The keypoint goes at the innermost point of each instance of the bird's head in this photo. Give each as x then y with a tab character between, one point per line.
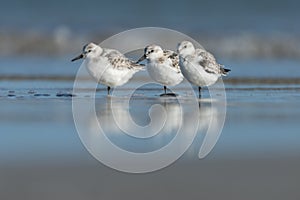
90	50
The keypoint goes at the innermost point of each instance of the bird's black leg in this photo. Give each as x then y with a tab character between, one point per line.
108	89
199	89
165	88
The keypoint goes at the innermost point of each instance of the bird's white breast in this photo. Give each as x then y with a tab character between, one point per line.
164	74
195	73
103	72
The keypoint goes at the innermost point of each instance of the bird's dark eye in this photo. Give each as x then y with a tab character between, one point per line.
152	51
89	50
185	46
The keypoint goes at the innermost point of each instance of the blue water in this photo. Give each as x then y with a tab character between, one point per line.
61	66
37	128
41	129
192	15
41	155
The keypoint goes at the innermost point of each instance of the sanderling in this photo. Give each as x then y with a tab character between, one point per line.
162	66
108	66
198	66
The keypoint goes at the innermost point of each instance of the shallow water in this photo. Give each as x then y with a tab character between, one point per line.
258	148
259	112
256	156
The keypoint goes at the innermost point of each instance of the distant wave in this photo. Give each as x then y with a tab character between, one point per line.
240	45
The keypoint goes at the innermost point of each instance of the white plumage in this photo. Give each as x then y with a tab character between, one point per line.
108	66
198	66
162	65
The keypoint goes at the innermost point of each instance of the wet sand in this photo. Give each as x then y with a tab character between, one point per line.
212	178
256	157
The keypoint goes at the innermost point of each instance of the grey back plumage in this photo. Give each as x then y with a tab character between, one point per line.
119	61
209	63
174	57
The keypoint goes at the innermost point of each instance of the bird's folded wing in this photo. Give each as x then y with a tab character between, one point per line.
119	61
209	63
174	59
110	53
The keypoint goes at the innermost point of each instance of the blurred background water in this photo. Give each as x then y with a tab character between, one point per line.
231	28
257	156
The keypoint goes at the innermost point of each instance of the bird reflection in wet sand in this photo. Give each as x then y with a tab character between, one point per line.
115	115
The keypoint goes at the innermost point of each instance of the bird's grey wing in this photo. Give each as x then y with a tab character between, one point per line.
209	63
174	59
119	61
205	54
209	56
111	52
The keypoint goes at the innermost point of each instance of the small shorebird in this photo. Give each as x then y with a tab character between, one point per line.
198	66
108	66
162	66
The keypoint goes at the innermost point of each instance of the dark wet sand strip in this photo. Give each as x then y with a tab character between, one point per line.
227	80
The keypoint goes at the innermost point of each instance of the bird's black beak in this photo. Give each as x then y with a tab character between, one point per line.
141	58
78	57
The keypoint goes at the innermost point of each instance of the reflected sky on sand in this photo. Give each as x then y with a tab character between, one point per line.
258	148
165	123
137	130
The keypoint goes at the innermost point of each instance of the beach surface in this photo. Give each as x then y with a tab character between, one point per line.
256	156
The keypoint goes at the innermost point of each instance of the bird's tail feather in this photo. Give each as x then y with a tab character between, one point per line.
224	71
